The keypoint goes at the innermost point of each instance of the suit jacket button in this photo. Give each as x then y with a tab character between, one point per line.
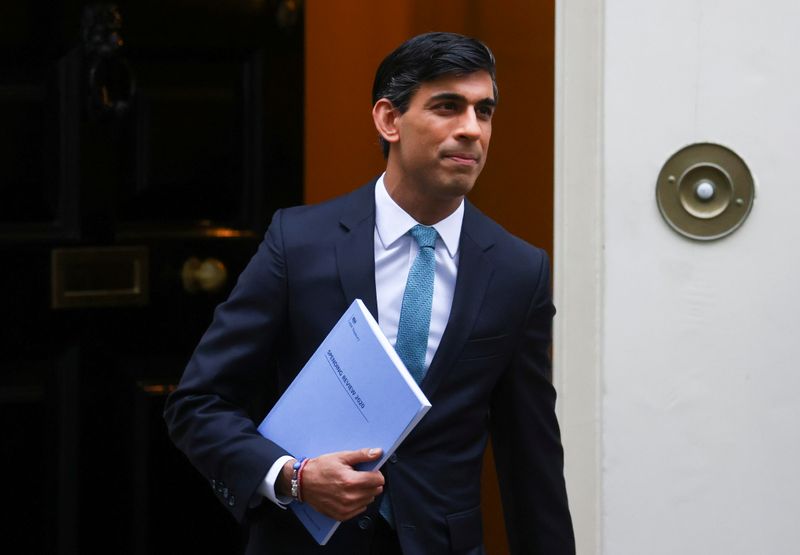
393	458
365	523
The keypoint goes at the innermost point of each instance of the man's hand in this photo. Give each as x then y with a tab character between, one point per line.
333	487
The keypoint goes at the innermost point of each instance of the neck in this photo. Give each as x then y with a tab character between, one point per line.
427	209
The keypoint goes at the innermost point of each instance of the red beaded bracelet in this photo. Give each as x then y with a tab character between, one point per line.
300	480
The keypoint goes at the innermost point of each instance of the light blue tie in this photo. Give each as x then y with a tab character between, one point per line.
415	314
415	319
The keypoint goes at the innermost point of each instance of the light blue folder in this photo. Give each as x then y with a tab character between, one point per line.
353	392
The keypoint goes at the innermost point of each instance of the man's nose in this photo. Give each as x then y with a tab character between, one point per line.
469	127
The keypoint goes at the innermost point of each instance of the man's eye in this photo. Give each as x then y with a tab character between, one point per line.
447	106
485	111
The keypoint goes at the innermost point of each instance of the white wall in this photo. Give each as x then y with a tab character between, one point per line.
698	421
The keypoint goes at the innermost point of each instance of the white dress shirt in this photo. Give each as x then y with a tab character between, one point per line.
395	251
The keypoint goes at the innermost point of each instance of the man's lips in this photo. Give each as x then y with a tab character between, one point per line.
465	158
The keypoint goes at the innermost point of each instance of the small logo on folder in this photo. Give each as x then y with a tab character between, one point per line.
352	322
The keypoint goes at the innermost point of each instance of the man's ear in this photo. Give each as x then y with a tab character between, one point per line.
385	117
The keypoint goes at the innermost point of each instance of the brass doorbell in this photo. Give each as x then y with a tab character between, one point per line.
705	191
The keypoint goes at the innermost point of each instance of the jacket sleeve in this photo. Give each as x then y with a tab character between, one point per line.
209	415
526	437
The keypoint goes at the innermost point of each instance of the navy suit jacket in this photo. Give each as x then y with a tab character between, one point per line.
490	376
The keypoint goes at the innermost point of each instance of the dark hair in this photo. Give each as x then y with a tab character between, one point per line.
424	58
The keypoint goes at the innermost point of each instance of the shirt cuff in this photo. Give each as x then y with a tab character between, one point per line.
267	487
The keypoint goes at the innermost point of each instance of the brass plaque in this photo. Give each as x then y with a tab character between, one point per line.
99	277
705	191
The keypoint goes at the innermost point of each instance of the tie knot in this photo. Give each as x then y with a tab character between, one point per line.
424	235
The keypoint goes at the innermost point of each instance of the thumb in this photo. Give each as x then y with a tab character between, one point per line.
361	455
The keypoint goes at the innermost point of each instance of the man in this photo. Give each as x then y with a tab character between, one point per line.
484	363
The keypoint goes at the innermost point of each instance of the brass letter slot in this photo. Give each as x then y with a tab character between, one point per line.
99	277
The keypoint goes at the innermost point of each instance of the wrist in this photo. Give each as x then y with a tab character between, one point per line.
283	484
297	468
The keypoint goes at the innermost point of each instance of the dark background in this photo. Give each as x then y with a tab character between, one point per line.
130	142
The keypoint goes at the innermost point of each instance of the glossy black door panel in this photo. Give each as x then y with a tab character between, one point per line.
132	140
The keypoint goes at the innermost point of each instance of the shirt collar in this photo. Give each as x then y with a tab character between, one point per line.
392	222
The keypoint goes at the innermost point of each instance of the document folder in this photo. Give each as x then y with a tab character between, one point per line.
353	392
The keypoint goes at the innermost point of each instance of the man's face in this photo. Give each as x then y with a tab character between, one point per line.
443	137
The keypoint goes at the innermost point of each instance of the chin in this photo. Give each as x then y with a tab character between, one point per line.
458	187
464	181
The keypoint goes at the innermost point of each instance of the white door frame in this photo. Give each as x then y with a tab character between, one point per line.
578	258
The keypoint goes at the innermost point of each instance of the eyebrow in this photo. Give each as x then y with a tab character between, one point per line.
461	98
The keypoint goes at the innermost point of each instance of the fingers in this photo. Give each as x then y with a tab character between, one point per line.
355	502
361	455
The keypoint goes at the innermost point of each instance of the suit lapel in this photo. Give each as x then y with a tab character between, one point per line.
355	251
474	272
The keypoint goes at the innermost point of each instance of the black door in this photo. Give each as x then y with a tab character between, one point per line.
143	148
